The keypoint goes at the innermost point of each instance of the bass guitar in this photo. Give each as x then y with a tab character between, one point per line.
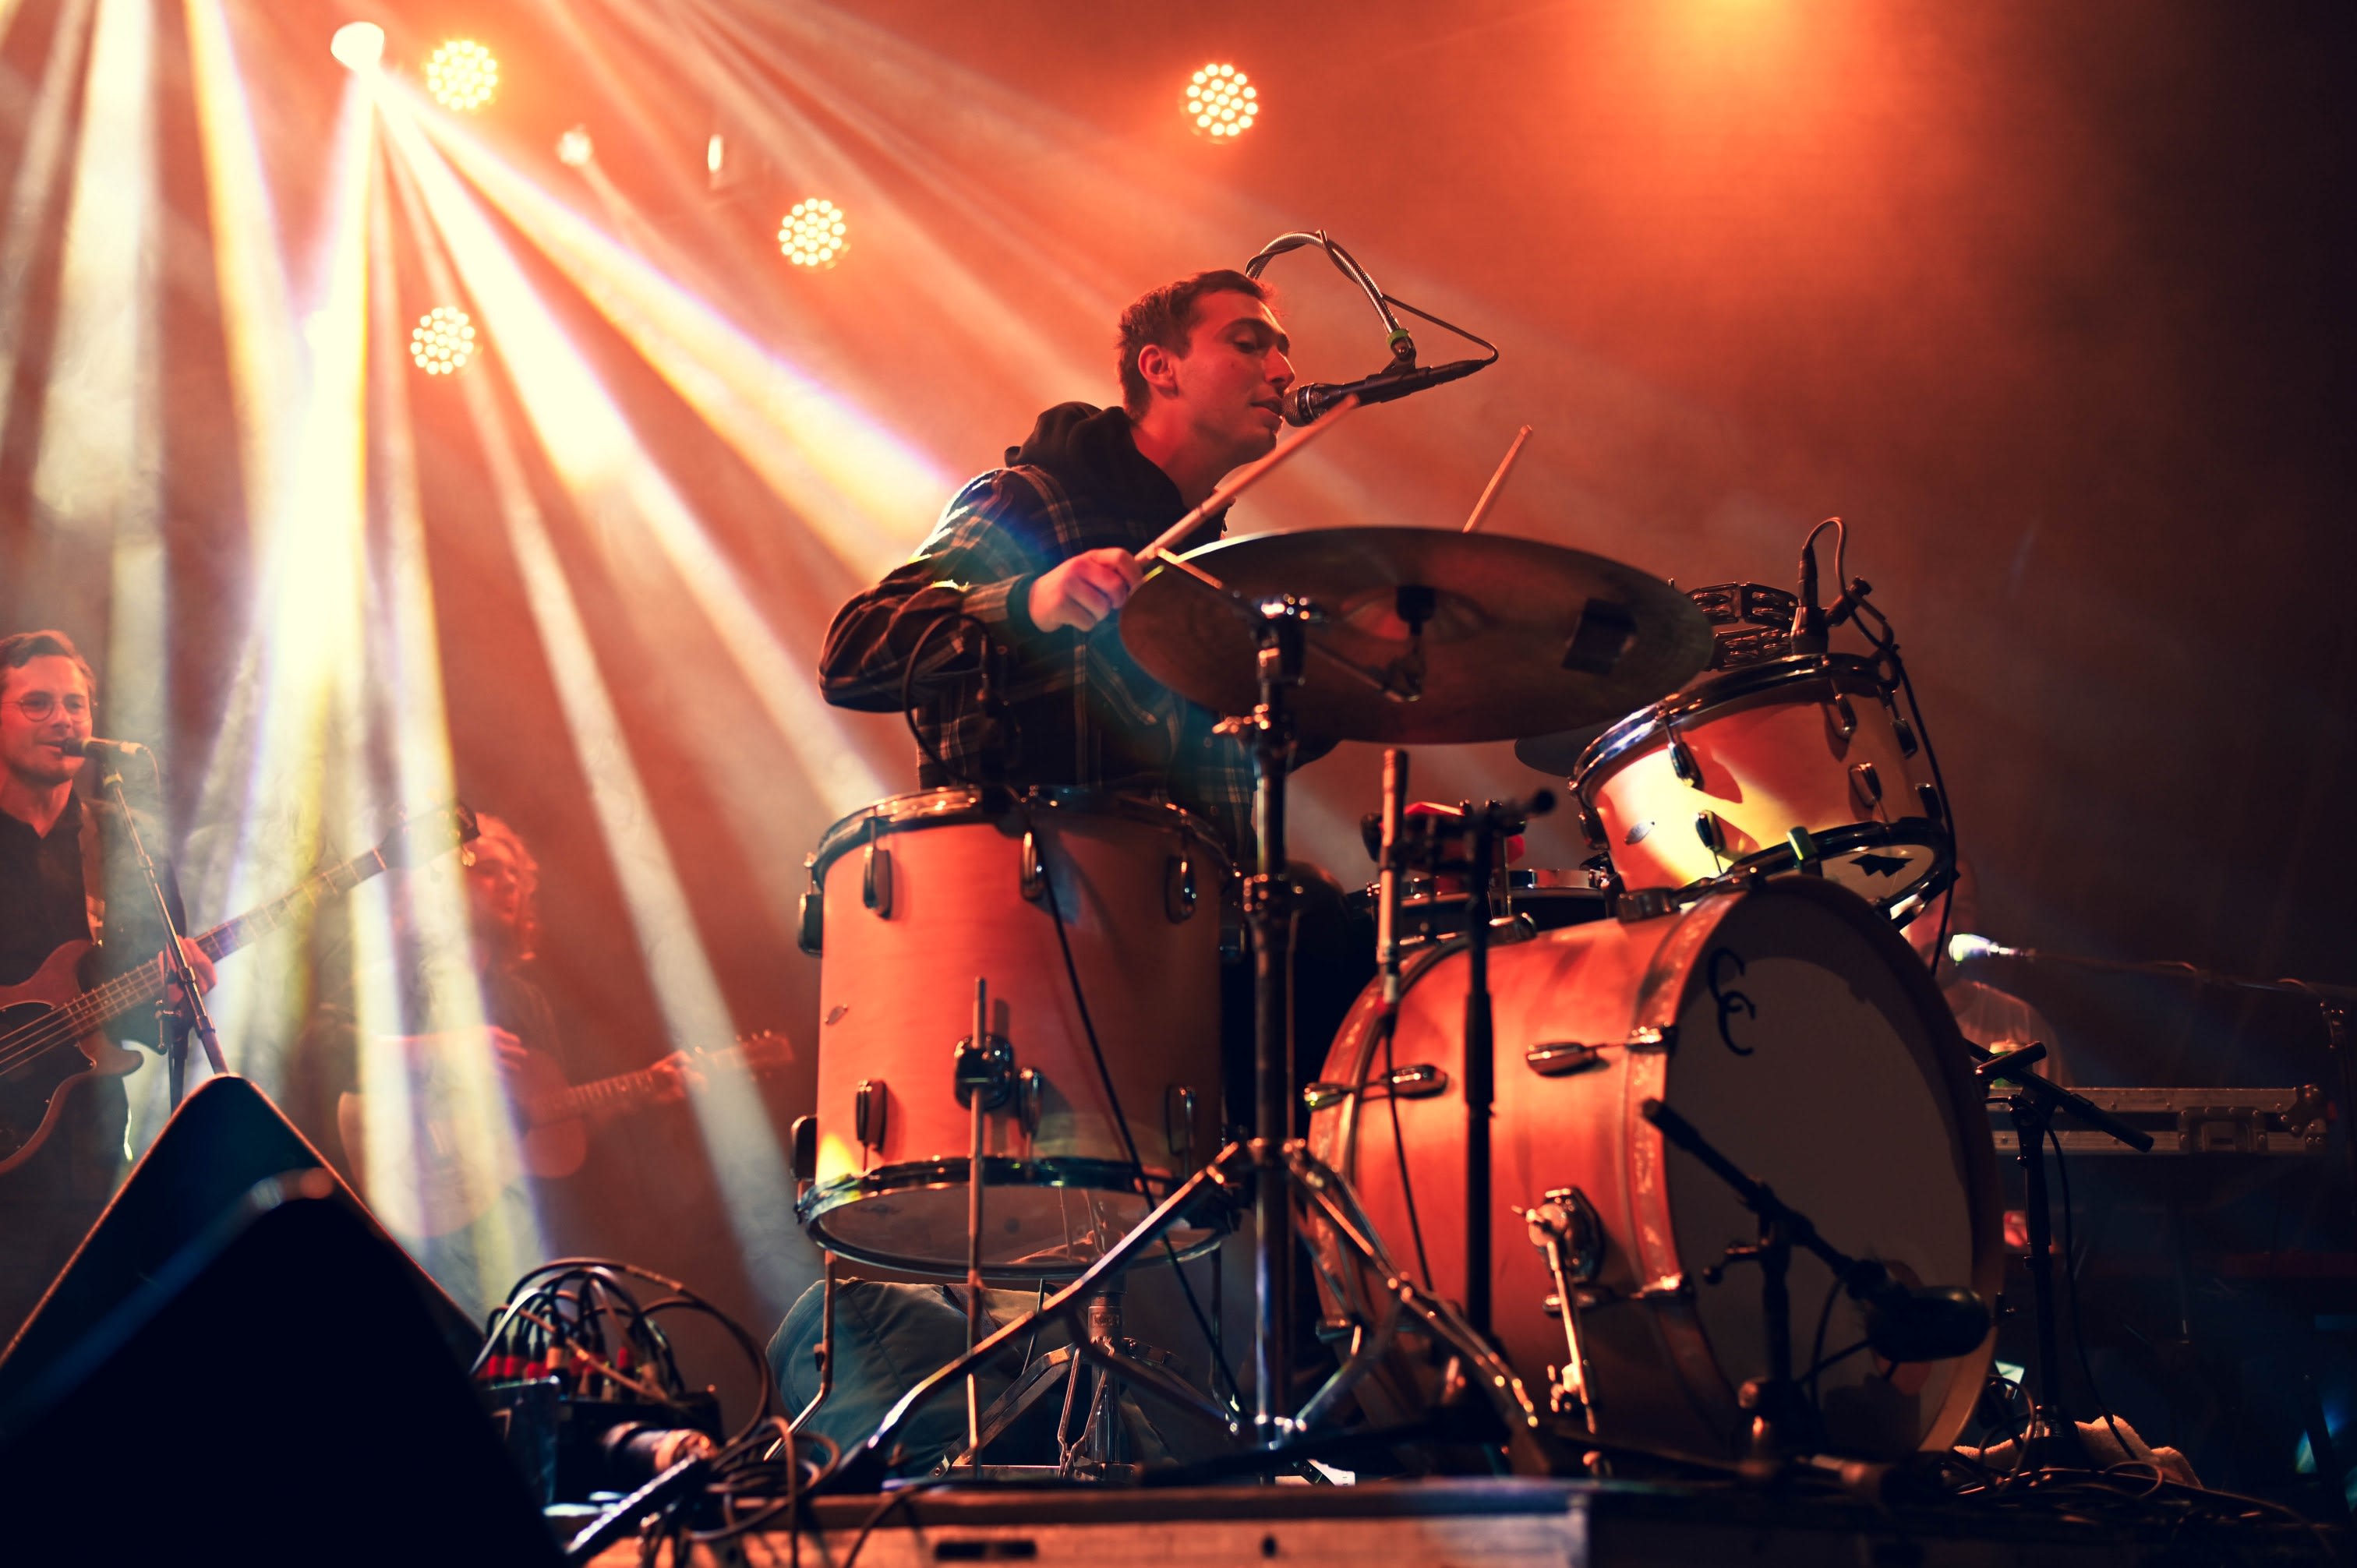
50	1040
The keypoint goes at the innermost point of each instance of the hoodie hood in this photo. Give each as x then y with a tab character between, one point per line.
1091	451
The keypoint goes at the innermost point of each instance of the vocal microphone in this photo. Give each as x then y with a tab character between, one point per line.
1311	401
99	746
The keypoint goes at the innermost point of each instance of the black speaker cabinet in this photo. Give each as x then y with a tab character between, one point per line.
250	1368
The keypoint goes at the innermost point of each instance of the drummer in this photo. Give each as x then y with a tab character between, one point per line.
1034	559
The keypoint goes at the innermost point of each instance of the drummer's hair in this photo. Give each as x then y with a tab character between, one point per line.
1164	316
22	649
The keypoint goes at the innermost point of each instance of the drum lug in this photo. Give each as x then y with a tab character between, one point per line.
1864	786
1908	744
1030	1096
1933	807
989	1068
804	1143
1178	1122
1633	904
1843	716
1682	763
1563	1059
1179	888
876	881
1031	877
1713	836
1419	1081
868	1102
810	934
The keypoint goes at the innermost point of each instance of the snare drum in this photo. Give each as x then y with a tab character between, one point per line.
1800	764
1538	900
1791	1023
918	898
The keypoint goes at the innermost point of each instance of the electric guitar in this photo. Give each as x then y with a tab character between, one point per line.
445	1169
49	1039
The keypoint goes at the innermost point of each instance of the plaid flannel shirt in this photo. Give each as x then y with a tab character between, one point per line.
1062	708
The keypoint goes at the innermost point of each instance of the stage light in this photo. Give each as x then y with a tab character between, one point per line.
574	149
443	342
1222	100
359	45
811	235
462	75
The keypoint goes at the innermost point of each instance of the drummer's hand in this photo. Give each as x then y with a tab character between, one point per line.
1083	591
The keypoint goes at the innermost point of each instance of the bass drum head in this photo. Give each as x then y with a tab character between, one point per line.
1814	1052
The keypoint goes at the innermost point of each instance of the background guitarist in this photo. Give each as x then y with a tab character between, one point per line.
66	875
465	1221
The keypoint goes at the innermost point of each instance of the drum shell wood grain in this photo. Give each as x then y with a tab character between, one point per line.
1769	759
1664	1371
896	989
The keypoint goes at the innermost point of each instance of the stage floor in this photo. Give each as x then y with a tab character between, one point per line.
1509	1523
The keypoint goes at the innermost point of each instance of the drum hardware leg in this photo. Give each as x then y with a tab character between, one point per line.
1566	1229
824	1354
983	1071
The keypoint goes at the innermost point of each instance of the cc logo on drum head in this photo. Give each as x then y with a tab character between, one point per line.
1730	1001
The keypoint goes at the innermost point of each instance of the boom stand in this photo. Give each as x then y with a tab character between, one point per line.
2051	1441
173	1022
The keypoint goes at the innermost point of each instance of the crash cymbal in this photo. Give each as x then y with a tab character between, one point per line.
1518	638
1559	753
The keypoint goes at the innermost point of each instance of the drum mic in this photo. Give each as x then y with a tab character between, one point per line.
1911	1323
1808	618
1310	401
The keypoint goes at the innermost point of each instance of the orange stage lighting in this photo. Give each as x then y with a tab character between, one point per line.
444	340
462	75
1222	100
811	235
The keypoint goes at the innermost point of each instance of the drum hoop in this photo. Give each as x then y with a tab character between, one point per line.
964	803
1849	672
998	1172
1778	861
1660	995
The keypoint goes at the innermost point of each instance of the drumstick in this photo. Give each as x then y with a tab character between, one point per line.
1497	480
1240	481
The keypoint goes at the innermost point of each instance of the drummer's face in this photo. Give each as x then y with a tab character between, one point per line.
1234	370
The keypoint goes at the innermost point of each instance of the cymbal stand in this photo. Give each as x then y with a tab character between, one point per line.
2051	1441
174	1022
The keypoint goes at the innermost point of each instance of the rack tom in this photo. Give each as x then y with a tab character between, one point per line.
1801	764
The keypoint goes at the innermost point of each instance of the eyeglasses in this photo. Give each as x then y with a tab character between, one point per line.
41	706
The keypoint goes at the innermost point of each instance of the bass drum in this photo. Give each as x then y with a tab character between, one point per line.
1793	1026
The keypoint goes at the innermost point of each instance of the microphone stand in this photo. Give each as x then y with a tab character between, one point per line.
2333	1005
2051	1441
1784	1423
172	1024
